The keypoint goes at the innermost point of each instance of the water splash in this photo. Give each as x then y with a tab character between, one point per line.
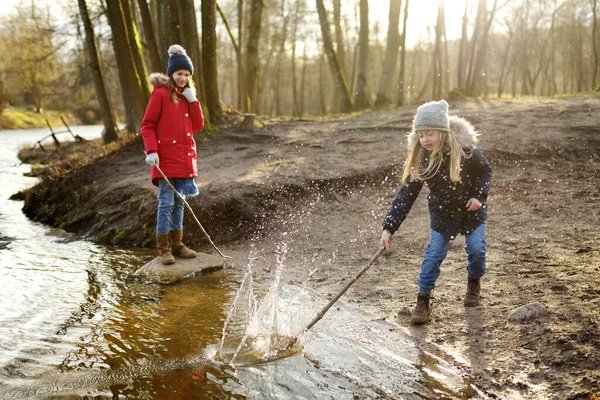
256	332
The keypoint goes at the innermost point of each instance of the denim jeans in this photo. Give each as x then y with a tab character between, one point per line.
436	253
170	209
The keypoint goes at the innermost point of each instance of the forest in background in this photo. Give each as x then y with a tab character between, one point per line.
290	57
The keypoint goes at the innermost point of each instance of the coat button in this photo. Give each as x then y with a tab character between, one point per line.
191	175
174	141
187	115
189	154
189	134
159	141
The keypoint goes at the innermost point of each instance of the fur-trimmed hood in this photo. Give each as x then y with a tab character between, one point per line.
158	79
460	128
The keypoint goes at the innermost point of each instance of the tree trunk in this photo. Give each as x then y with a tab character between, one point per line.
391	54
340	47
462	52
436	92
474	88
280	57
295	105
252	61
481	10
209	60
241	72
446	70
189	40
402	73
334	63
135	47
169	30
303	83
150	36
362	97
594	45
339	34
501	81
134	98
109	134
322	101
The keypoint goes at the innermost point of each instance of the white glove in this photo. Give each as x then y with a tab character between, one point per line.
386	239
152	159
189	96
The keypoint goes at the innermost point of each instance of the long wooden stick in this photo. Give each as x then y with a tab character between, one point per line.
328	306
192	211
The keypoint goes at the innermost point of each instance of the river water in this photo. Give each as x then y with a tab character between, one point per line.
74	323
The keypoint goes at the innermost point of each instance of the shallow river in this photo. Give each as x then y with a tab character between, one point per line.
74	323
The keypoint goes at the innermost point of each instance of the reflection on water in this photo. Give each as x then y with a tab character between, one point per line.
74	323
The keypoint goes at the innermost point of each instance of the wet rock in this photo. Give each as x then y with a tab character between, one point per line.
183	268
527	312
62	234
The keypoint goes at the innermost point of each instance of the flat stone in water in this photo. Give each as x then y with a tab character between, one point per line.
183	268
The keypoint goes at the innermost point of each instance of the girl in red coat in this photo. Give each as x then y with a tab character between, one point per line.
172	117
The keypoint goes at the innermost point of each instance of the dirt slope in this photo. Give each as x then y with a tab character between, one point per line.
320	190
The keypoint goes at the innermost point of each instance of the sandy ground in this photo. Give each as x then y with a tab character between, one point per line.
320	190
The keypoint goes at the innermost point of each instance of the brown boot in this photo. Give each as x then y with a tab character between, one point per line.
473	289
179	249
420	314
164	250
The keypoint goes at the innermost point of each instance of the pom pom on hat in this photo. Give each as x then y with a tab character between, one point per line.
176	49
178	59
432	115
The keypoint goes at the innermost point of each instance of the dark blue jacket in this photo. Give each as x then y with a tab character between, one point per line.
447	199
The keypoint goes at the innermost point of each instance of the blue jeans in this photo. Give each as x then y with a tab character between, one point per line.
170	209
436	253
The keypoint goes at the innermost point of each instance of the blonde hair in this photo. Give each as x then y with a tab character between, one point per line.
172	86
414	167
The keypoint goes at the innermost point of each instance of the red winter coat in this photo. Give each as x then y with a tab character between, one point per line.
168	129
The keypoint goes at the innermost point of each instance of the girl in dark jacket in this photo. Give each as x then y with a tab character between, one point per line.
172	117
442	154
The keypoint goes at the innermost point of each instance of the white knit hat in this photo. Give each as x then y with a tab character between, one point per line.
432	115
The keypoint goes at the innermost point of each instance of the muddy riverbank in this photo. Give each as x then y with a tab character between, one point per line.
323	187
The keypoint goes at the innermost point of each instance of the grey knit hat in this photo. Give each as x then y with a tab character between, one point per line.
432	115
178	59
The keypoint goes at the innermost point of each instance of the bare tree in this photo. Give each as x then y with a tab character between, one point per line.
295	105
168	27
135	47
188	26
402	72
363	97
280	57
109	134
150	36
134	97
462	52
473	86
252	60
209	60
391	54
334	63
594	45
437	56
472	50
503	69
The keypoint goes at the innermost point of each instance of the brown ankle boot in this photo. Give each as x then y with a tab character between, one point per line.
178	248
164	250
473	289
420	314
